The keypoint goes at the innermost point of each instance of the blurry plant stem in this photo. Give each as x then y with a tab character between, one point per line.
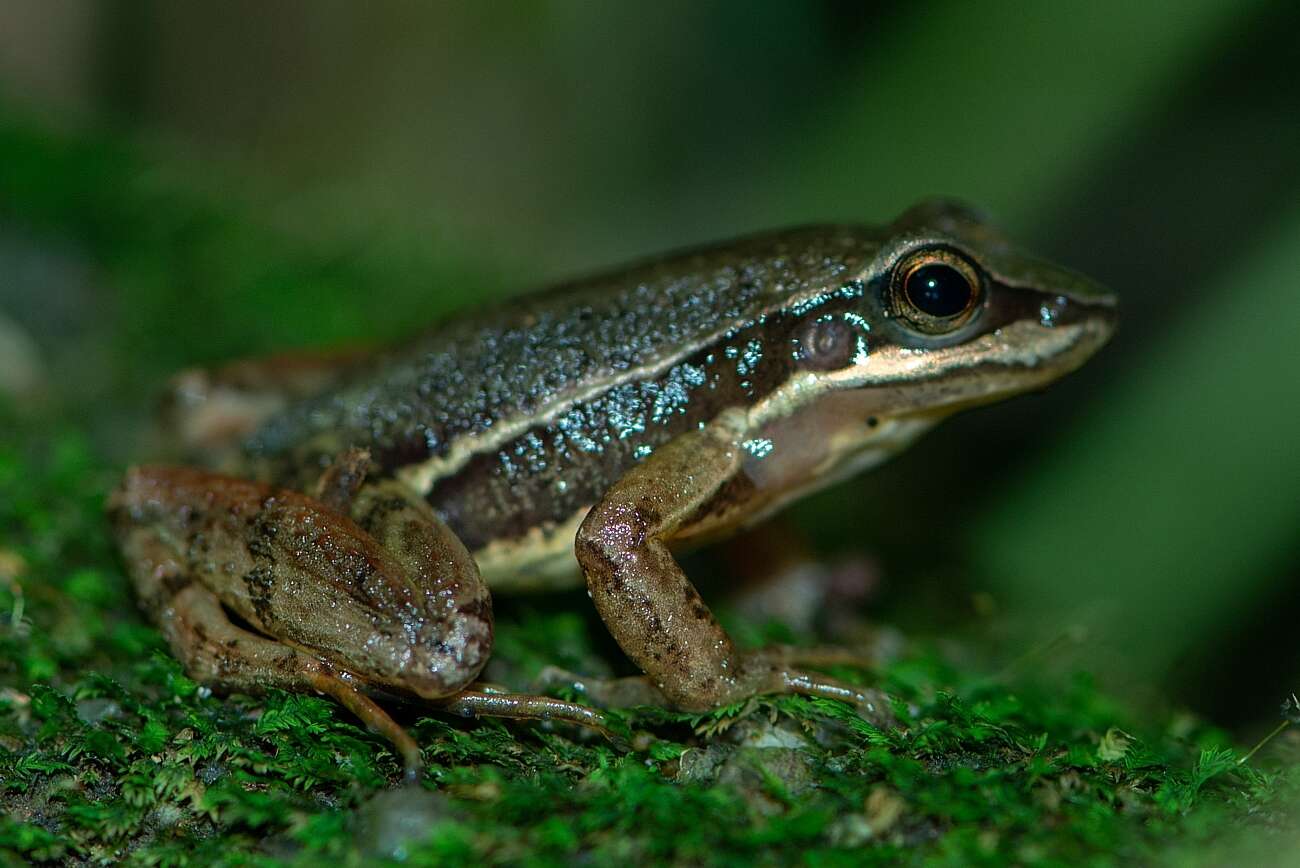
1263	741
1290	715
1075	635
16	616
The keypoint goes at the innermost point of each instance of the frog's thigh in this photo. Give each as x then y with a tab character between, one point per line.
389	593
652	609
216	652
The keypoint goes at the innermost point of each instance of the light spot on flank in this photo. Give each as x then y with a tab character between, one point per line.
749	359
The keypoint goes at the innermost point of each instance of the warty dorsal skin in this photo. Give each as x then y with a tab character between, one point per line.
510	367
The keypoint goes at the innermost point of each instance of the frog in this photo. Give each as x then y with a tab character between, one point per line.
354	512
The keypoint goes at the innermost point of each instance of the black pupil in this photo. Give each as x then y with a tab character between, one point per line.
938	290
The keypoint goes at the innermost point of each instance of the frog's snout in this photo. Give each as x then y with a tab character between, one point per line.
1084	324
1097	312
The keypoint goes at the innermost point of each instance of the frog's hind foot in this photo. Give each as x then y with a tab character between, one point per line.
866	656
628	692
773	670
484	700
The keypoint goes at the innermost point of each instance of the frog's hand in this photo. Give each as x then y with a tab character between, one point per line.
652	609
388	593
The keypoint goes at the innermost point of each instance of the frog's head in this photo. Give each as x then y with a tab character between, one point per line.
963	317
944	313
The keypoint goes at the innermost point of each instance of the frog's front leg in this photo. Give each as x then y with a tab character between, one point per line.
650	606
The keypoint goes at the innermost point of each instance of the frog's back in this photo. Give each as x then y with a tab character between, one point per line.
472	383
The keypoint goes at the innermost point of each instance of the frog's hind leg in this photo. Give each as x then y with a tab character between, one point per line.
370	593
386	593
216	651
335	608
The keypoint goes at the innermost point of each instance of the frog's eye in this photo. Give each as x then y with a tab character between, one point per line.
936	291
826	343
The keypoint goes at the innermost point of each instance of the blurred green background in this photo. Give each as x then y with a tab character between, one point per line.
182	183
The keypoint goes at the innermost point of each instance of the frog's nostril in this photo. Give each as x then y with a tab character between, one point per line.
1098	311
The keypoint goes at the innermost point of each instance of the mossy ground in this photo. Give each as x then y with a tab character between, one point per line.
109	753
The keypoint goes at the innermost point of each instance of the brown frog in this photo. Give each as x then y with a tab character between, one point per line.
585	432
